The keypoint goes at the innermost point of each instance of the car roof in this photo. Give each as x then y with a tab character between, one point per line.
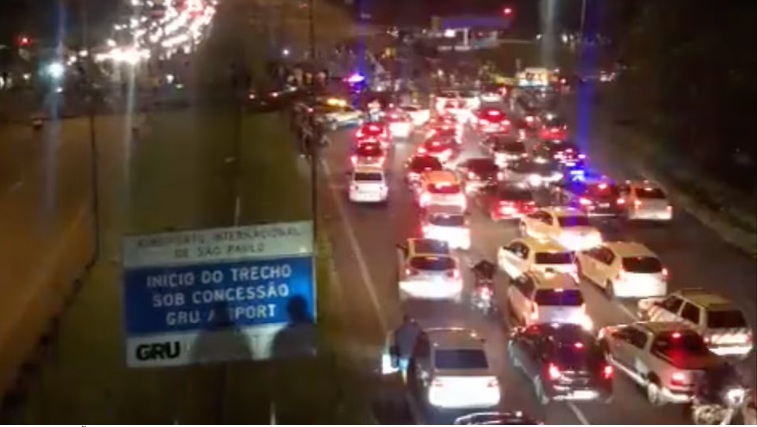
443	175
705	298
421	246
445	209
542	245
552	280
457	338
657	328
630	249
563	211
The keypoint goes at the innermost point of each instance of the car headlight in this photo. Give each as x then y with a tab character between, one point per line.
534	179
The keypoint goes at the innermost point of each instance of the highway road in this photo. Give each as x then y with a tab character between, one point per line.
365	239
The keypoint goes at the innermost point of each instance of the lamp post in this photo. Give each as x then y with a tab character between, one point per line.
314	145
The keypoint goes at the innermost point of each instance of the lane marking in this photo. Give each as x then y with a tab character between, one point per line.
237	209
352	237
579	415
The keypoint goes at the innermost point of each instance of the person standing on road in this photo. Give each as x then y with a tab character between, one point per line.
405	337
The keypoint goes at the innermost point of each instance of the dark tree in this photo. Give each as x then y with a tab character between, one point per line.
693	81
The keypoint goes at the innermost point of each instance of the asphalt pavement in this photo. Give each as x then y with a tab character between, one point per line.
365	239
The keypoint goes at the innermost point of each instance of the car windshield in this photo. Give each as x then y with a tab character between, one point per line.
369	150
444	188
680	344
726	319
559	297
431	246
368	176
464	358
650	193
409	108
432	263
642	264
573	221
447	220
448	95
553	258
482	165
514	147
425	163
515	194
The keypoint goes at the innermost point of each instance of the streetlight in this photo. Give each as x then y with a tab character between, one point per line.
56	70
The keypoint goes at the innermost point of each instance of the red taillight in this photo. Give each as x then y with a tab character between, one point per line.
410	271
637	203
584	201
471	175
554	372
554	130
607	372
665	272
454	274
506	123
359	134
422	150
678	378
353	159
582	156
621	201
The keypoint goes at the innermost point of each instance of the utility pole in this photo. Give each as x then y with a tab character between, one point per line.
314	145
94	154
583	18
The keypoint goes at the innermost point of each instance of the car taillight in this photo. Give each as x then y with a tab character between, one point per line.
584	201
410	271
554	130
607	372
621	201
678	378
454	274
472	175
353	159
359	134
665	272
422	150
637	203
554	372
500	176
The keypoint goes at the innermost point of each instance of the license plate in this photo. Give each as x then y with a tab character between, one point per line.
583	394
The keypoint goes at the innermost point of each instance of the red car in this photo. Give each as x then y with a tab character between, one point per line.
508	202
374	131
553	129
443	149
490	120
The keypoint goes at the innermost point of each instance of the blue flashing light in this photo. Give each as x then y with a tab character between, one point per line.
355	78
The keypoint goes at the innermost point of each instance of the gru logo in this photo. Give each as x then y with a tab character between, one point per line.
160	351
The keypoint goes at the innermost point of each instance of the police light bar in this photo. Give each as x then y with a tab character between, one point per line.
355	78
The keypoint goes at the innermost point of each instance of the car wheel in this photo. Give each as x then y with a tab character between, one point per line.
654	394
541	395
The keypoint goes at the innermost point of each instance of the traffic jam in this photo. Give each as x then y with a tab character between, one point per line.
525	295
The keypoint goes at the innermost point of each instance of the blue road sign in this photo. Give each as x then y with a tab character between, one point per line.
218	295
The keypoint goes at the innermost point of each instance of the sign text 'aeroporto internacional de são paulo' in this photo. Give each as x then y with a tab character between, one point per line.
215	295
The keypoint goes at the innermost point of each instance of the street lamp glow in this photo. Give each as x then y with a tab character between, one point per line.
56	70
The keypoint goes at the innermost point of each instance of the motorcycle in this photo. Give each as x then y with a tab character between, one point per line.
722	413
482	298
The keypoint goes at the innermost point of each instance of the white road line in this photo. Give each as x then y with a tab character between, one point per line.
362	265
627	311
237	209
579	415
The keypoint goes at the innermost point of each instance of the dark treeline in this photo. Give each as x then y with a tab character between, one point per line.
692	81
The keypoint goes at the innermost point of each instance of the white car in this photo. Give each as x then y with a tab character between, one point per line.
420	116
450	370
400	124
368	185
442	99
427	270
546	297
624	270
448	223
645	201
527	254
569	227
